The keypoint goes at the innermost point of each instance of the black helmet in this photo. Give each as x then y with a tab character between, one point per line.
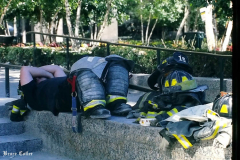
178	80
176	62
223	104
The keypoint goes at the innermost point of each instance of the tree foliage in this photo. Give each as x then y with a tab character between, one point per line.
158	13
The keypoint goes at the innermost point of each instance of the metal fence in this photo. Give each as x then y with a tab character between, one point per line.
158	50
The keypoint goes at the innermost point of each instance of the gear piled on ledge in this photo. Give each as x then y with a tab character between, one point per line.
178	106
195	124
175	87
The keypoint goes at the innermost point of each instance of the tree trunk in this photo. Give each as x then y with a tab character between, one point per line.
105	20
41	25
151	32
78	18
91	35
7	28
179	32
95	31
215	29
49	32
141	17
15	27
91	31
4	26
146	34
55	29
69	24
195	25
94	28
209	28
52	27
83	34
4	12
187	22
23	31
164	30
227	37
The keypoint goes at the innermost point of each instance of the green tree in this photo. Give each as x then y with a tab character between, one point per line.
4	4
158	11
221	13
98	14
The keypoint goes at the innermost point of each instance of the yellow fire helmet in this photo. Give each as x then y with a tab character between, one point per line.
178	81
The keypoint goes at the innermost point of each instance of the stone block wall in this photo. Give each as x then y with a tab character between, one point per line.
114	139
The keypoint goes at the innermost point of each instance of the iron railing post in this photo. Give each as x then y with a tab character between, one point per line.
221	59
67	39
158	57
34	50
7	88
108	49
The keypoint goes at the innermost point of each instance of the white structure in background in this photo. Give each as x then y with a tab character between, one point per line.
24	40
227	36
203	13
60	31
110	33
206	14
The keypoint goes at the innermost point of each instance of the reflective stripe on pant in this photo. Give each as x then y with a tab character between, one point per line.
183	141
15	109
112	98
90	90
22	112
219	125
94	103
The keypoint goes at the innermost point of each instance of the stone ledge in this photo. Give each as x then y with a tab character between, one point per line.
116	138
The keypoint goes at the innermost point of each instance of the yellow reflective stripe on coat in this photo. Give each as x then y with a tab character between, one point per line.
183	141
212	115
111	98
15	109
22	112
217	127
151	114
94	103
211	112
172	112
143	114
155	106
